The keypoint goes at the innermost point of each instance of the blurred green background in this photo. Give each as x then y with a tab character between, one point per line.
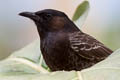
103	21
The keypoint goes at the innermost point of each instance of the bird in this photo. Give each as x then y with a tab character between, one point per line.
63	45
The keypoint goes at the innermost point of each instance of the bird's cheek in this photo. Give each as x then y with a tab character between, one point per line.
39	29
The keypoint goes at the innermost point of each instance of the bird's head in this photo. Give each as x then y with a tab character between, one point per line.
49	20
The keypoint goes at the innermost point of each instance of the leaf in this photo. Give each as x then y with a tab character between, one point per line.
60	75
21	67
28	63
31	52
81	13
108	69
27	60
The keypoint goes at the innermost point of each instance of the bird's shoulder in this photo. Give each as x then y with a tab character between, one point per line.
88	47
83	41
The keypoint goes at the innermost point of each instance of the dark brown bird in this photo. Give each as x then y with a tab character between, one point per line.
63	45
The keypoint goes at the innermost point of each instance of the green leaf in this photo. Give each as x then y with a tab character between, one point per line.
31	52
27	60
108	69
49	76
81	13
26	65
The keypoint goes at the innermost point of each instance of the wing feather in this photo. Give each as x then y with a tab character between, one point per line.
88	47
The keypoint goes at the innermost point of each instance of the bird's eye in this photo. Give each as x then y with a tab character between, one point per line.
47	16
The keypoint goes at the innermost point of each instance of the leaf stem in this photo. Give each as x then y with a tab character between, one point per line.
79	75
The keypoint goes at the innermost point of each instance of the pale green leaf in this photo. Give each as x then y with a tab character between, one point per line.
81	13
27	60
18	68
108	69
28	63
31	52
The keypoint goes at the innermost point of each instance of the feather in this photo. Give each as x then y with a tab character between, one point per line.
88	47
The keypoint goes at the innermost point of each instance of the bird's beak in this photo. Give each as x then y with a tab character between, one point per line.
30	15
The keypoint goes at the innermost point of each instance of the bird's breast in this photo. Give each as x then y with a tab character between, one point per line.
54	50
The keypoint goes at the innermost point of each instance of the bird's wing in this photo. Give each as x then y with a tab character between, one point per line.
88	47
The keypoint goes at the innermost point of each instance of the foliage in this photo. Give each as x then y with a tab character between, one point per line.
28	64
24	65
